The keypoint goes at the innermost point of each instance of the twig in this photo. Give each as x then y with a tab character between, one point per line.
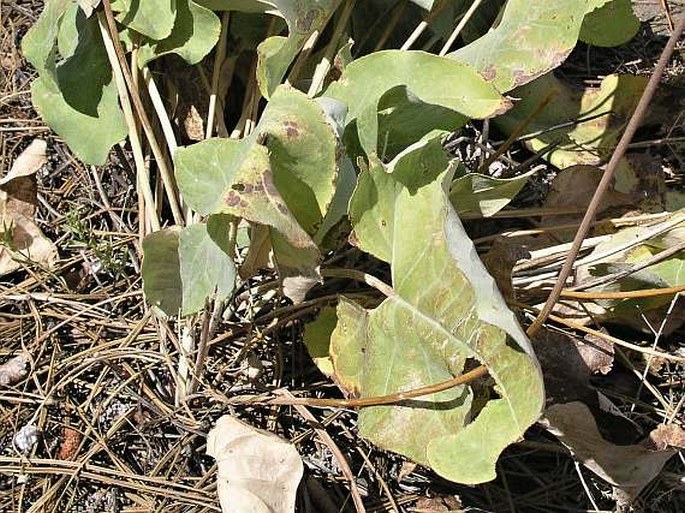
380	400
142	115
517	131
626	294
457	30
335	450
607	177
219	58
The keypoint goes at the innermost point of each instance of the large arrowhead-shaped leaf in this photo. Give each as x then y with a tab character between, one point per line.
446	315
425	78
76	96
282	176
531	39
152	18
196	31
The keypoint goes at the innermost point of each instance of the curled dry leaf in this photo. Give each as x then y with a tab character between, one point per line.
664	437
20	238
629	468
257	471
14	370
29	162
568	362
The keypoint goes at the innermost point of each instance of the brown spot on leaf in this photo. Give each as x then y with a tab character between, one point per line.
232	199
292	130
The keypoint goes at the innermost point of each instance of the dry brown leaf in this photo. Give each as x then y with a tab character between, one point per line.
567	364
29	162
597	353
21	239
500	261
664	437
446	504
71	440
573	188
629	468
257	471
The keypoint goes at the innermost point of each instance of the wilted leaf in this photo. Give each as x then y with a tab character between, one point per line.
196	31
28	162
622	253
482	194
445	316
183	267
427	78
598	117
531	39
21	241
152	18
76	95
257	471
610	25
629	468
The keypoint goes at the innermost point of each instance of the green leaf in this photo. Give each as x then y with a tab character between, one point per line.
612	24
427	78
317	338
277	53
485	195
76	96
183	267
372	207
196	31
152	18
161	270
206	263
531	39
250	6
603	113
283	176
445	316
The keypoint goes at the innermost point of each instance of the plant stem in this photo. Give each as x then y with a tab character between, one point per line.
395	398
354	274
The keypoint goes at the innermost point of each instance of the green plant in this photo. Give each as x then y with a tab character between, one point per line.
348	131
